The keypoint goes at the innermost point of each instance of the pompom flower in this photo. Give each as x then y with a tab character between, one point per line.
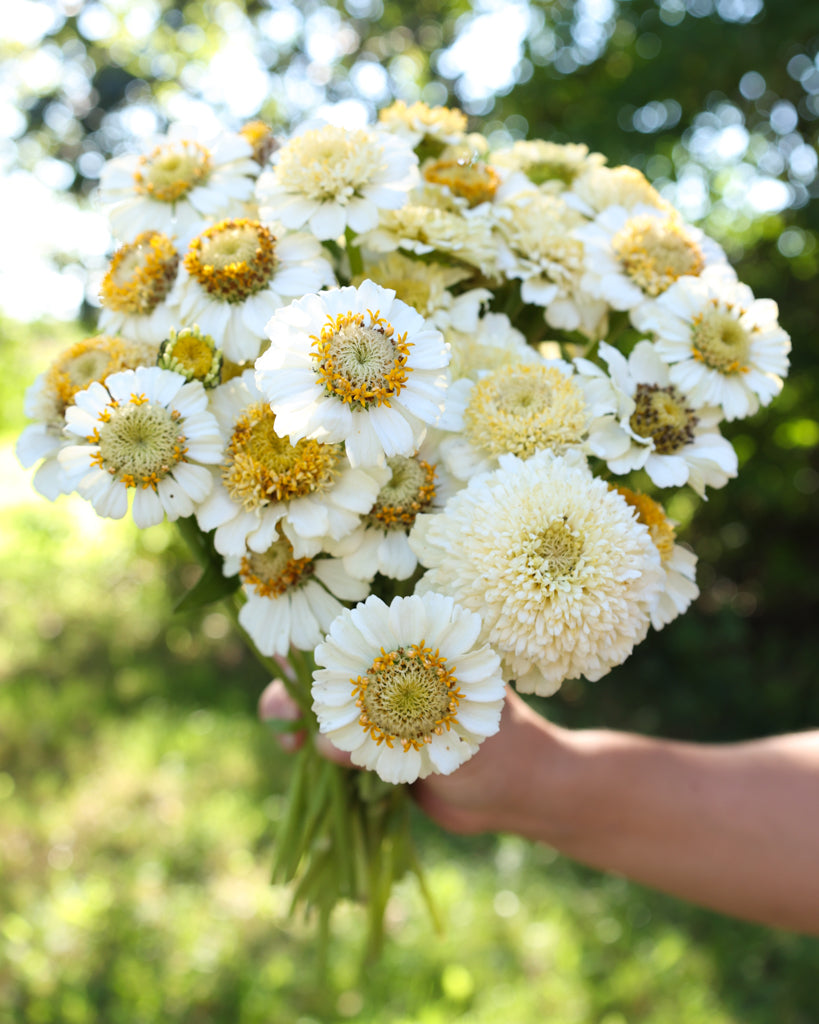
331	178
405	688
555	563
145	431
354	365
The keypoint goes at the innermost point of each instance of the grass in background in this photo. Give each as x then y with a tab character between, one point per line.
138	805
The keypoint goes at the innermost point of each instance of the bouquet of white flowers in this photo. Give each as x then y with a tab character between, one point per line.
411	400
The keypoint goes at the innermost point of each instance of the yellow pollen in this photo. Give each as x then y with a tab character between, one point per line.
652	515
410	491
141	275
720	341
193	354
407	695
172	170
359	361
262	467
83	363
472	180
233	260
656	251
661	414
275	571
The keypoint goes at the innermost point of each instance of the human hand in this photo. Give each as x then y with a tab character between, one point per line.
492	791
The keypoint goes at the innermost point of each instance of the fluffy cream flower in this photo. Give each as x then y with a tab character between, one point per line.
555	563
548	162
405	688
434	127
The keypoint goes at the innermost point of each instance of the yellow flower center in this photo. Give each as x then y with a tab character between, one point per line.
172	170
409	694
523	408
275	571
193	354
655	251
472	180
139	443
233	260
662	415
411	489
359	359
652	514
82	364
141	274
330	163
262	467
552	554
720	341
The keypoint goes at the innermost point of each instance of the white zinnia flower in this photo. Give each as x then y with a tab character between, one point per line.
307	489
331	178
291	602
725	347
635	255
135	290
46	400
355	365
679	565
180	183
237	274
548	163
652	424
493	343
144	430
555	563
435	127
404	688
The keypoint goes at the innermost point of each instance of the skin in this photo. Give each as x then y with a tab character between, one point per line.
733	827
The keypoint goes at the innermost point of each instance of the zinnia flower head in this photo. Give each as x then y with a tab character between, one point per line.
405	688
555	563
355	365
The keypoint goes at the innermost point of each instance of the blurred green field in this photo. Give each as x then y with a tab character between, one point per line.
138	805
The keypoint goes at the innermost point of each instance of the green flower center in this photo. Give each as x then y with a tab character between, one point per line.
139	443
409	694
662	415
172	170
262	467
410	490
721	342
554	552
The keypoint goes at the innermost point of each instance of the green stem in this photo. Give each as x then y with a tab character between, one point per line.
353	254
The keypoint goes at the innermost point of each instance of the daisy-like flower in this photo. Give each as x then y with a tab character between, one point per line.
331	178
555	563
426	287
237	274
266	485
635	255
146	431
652	424
427	128
679	565
180	183
404	688
135	289
93	359
354	365
725	347
545	163
380	543
518	409
291	602
598	188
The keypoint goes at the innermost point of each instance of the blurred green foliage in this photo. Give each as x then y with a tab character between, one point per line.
138	796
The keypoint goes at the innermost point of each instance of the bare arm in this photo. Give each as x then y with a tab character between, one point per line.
732	827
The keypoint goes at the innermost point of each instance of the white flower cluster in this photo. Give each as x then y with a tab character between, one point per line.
392	363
